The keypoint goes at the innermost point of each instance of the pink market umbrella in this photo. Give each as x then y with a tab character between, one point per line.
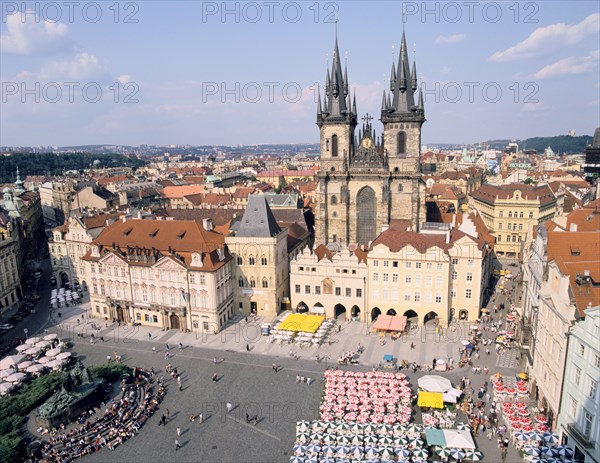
63	355
36	368
15	377
31	351
50	337
22	347
31	341
7	372
5	387
10	360
24	365
53	352
43	344
45	360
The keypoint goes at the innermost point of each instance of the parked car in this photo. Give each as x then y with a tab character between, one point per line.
6	327
37	275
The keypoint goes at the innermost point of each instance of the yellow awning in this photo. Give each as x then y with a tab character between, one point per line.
430	399
302	322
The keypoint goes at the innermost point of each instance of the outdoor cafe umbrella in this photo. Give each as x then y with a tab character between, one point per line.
42	344
296	459
35	368
463	426
24	365
329	450
7	372
327	460
457	454
550	437
443	452
22	347
10	360
15	377
532	450
50	337
53	352
299	449
31	341
5	387
31	351
421	453
564	451
63	355
402	452
45	360
474	454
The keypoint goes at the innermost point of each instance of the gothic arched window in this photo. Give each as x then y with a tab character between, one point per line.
401	143
333	199
366	217
265	283
334	146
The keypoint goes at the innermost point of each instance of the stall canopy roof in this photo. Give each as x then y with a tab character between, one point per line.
390	323
452	438
430	399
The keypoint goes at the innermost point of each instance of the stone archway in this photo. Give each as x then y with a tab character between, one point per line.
391	312
301	307
375	312
355	311
174	322
463	315
120	314
339	312
411	314
429	316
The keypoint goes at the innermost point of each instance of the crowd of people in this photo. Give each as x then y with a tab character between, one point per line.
122	418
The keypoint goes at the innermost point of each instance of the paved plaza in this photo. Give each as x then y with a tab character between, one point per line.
248	381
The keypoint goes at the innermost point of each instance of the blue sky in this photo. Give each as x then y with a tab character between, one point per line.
191	73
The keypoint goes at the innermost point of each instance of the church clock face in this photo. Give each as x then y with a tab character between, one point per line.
366	143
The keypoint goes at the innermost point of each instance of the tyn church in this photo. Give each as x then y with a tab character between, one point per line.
366	181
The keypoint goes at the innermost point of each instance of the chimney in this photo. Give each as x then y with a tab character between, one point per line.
207	224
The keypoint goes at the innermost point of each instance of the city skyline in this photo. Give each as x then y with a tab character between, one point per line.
489	70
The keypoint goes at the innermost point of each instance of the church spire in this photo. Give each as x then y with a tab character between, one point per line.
413	76
383	103
337	94
354	105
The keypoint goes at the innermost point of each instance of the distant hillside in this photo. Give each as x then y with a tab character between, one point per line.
559	144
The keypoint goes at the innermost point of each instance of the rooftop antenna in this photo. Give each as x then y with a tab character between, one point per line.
336	23
403	16
414	51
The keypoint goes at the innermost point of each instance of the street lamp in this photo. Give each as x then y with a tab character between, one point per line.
25	330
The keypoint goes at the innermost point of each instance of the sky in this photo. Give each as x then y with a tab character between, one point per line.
204	73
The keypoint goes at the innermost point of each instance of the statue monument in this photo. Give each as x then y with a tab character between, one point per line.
77	394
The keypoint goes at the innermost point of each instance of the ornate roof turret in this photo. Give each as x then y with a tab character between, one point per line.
19	184
413	76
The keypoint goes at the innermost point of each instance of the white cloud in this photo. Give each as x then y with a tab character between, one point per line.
83	67
531	107
124	78
28	34
570	66
444	39
544	38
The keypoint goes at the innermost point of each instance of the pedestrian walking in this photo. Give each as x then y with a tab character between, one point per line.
229	407
167	345
247	418
168	413
214	377
248	347
178	432
149	335
163	420
180	346
200	418
274	367
177	444
154	349
102	338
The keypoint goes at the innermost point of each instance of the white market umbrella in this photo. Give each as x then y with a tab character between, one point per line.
63	355
434	383
31	341
43	344
45	360
7	372
22	347
50	337
5	387
53	352
35	368
10	360
54	364
15	377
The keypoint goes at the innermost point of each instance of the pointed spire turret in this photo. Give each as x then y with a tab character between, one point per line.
337	94
319	108
354	105
384	105
346	81
421	106
413	77
393	77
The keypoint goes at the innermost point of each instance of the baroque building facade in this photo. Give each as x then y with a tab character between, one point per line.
367	180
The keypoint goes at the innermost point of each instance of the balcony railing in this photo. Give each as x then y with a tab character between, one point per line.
579	436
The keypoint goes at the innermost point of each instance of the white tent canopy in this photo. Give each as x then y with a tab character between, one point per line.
458	439
434	383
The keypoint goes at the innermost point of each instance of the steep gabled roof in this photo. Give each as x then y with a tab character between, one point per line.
258	220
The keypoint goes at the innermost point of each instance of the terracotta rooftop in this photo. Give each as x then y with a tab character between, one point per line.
491	193
578	253
172	192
